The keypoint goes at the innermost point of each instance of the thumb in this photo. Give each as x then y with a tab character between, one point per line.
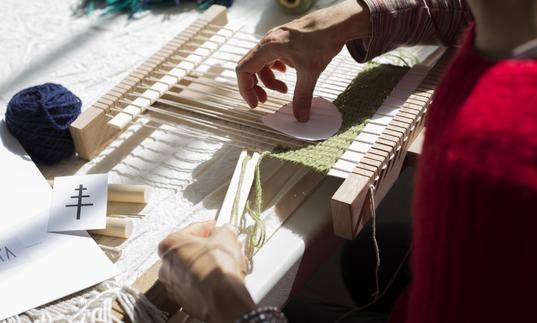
225	234
226	239
305	84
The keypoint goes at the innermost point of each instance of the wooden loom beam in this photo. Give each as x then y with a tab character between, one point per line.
90	131
351	202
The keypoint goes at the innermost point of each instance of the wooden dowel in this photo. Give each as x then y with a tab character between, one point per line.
219	127
224	215
116	227
124	209
238	190
125	193
226	138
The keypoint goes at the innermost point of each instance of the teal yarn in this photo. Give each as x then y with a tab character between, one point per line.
39	117
134	6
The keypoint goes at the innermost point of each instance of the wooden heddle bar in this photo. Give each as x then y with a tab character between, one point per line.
380	167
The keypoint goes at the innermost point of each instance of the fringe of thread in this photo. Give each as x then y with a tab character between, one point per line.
256	234
96	307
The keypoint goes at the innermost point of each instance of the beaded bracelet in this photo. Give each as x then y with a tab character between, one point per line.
268	314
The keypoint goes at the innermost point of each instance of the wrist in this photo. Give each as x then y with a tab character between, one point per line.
355	22
230	299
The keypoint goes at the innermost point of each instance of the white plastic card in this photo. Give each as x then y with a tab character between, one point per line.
78	203
325	120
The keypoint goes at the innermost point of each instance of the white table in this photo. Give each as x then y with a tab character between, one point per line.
43	42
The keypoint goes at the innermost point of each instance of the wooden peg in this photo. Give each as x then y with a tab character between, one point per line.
125	193
116	227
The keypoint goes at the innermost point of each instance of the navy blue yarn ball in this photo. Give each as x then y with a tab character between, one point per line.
39	117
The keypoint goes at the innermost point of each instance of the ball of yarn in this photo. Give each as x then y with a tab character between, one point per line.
39	117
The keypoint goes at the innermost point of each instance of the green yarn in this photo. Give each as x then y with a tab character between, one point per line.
257	232
357	103
364	95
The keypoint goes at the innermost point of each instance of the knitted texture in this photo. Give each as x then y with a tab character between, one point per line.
39	117
475	207
364	95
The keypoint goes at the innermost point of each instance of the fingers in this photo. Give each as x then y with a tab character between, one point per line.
279	66
194	230
199	229
261	94
305	84
247	84
247	68
225	234
226	238
267	77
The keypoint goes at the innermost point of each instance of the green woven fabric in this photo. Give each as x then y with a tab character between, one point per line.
357	104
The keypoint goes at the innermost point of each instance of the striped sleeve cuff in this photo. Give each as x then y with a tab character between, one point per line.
410	22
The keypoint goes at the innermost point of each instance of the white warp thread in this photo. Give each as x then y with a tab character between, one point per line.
96	306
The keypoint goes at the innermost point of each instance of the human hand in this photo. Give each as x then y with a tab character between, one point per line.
203	270
308	45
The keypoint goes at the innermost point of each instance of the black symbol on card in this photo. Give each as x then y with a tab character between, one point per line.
6	254
79	204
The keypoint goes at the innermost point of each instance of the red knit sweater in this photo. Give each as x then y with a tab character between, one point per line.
474	253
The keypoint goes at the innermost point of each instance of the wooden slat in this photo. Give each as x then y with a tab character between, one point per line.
90	131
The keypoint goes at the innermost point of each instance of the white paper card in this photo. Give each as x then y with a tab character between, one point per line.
12	254
59	264
78	203
21	197
325	120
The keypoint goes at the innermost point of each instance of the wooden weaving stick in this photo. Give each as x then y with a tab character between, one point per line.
238	190
291	198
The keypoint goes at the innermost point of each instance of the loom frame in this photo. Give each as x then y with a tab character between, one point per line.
91	131
378	170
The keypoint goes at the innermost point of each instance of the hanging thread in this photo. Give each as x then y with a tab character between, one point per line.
39	117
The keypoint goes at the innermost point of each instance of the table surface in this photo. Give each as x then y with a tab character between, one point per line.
44	42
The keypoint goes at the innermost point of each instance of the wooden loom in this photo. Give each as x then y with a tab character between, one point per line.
189	86
186	84
190	82
400	120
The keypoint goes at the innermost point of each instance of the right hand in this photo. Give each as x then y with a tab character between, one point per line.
203	269
308	45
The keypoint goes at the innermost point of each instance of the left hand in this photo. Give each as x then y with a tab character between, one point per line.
203	270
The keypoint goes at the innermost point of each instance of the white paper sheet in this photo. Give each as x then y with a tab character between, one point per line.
78	203
325	120
57	264
12	254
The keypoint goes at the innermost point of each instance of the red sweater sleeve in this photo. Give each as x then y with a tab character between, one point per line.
397	23
475	225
